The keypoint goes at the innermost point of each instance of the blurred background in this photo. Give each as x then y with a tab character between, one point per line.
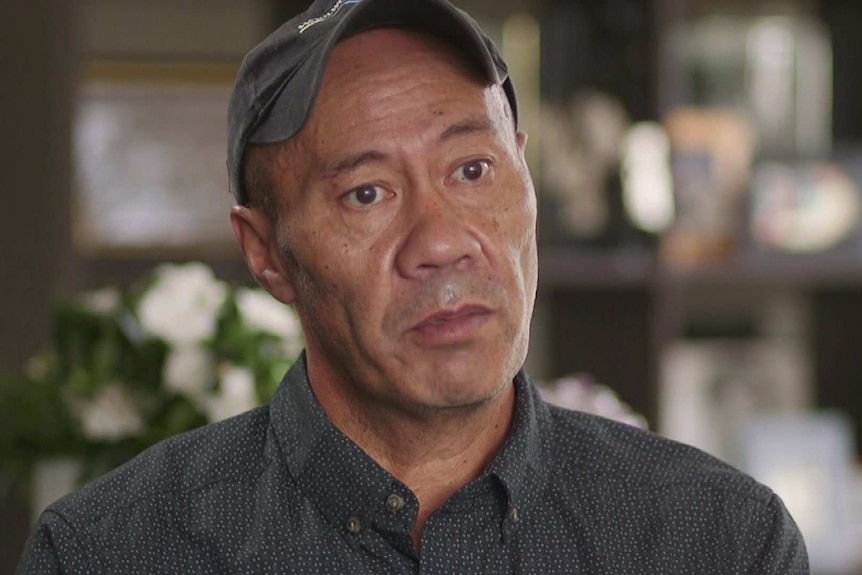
699	170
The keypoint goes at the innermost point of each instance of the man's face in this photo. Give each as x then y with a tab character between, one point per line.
408	229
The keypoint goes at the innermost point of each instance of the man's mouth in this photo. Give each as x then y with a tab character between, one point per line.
453	326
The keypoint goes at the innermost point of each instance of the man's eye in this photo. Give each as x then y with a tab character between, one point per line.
365	196
472	171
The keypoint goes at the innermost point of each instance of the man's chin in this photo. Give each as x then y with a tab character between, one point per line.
454	399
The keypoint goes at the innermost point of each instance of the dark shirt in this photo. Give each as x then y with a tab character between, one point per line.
281	490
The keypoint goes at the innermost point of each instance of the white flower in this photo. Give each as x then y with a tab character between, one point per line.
237	394
183	304
104	301
188	370
112	414
263	312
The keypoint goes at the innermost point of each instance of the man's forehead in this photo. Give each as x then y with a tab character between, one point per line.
385	46
334	142
347	162
348	127
394	66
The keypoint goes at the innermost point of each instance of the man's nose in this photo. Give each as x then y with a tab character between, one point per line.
439	238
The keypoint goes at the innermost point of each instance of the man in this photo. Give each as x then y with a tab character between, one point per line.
382	190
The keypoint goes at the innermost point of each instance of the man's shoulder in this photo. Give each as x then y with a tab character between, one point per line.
229	452
590	447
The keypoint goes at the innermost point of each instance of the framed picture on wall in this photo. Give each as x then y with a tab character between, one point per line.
149	144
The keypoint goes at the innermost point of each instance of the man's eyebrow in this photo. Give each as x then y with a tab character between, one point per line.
466	127
355	161
352	162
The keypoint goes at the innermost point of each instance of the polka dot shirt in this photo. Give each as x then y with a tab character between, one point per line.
279	490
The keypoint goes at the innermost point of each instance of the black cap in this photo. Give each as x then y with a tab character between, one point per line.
279	79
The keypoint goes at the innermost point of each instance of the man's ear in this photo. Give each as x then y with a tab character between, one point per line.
257	239
522	142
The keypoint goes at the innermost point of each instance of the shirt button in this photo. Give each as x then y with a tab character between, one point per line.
514	516
354	525
394	503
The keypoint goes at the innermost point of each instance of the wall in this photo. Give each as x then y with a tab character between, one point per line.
36	55
171	29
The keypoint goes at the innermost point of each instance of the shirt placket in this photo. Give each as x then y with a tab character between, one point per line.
443	540
381	528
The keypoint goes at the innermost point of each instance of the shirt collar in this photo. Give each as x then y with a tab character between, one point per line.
351	490
522	465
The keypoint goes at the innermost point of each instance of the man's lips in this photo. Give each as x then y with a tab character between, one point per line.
452	315
452	326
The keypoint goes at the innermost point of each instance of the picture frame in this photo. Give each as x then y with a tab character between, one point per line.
149	141
804	206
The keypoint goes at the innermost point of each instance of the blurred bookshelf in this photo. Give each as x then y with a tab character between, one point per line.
759	102
619	288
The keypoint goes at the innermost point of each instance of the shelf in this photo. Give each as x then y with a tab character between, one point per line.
606	269
772	270
639	268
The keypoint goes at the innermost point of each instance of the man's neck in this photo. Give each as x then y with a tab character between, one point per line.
434	455
437	456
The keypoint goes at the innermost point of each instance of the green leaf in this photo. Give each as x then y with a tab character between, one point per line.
89	350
